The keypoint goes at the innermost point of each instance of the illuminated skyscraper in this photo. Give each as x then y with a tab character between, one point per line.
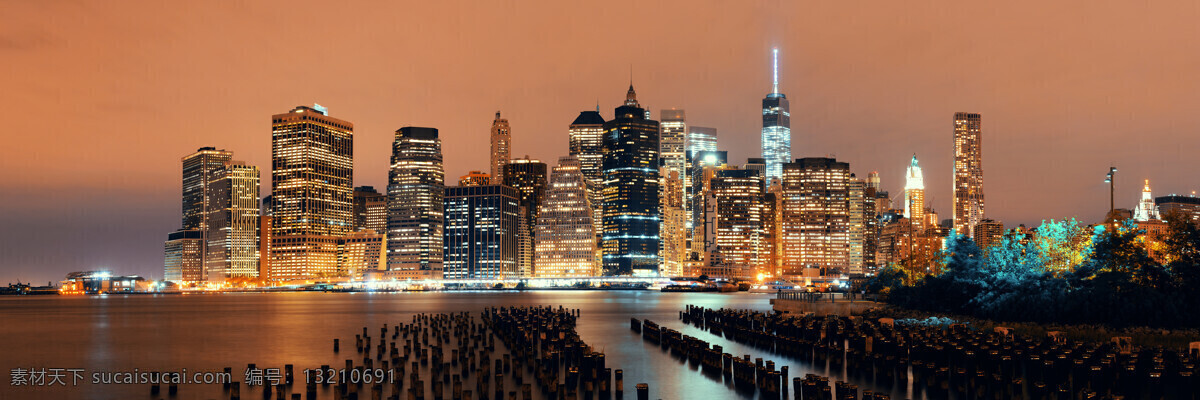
199	169
529	178
312	179
700	232
777	127
475	178
232	240
672	134
914	194
370	210
631	215
565	237
673	229
968	173
481	232
737	197
1146	209
863	226
416	190
815	218
701	138
587	144
184	262
501	146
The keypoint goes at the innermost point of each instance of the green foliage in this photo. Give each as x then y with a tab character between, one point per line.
1066	273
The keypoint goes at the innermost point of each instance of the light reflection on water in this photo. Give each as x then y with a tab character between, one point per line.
210	332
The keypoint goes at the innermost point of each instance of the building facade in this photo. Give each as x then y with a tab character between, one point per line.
232	239
914	194
529	178
312	175
475	178
631	215
565	236
184	251
481	232
1189	206
362	255
673	229
370	210
671	143
738	228
501	146
815	218
416	190
968	172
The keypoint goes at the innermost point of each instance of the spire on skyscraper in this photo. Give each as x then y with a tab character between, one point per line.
631	96
775	74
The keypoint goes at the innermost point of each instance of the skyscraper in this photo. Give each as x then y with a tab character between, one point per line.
565	237
370	210
673	229
184	261
529	178
672	134
501	146
914	194
737	196
631	217
587	144
815	218
863	225
700	234
701	138
232	241
481	232
777	127
968	173
312	175
199	169
416	190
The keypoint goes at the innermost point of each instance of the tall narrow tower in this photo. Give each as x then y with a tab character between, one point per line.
501	147
968	173
914	194
416	200
631	215
777	127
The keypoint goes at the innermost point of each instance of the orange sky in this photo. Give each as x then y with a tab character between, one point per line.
103	98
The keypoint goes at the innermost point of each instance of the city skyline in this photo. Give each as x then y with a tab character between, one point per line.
1053	148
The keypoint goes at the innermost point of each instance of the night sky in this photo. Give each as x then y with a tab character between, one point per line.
103	98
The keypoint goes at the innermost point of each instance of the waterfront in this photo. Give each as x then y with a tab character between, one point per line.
214	331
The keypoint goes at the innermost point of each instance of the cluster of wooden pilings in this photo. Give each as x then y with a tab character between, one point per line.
456	356
958	362
743	372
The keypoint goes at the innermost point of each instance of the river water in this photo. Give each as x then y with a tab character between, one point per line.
205	333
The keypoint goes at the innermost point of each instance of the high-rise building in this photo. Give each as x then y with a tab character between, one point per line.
265	215
416	190
481	229
701	138
199	169
587	144
757	164
1189	206
232	241
529	178
501	146
672	135
815	218
631	217
737	200
856	202
968	172
1146	209
362	254
475	178
777	127
914	194
772	224
184	260
988	232
873	181
565	236
370	210
673	229
700	232
312	175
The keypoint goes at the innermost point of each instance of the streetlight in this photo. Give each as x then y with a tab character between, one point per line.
1112	209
